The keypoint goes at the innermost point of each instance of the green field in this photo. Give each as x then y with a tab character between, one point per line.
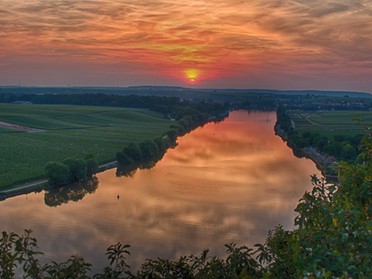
68	131
328	123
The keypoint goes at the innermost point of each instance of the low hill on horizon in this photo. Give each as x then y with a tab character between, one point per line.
174	91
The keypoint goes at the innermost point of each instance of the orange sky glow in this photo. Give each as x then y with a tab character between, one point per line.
294	44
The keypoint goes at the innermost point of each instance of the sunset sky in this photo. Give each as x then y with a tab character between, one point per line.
289	44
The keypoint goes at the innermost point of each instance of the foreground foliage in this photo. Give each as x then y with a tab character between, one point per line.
332	240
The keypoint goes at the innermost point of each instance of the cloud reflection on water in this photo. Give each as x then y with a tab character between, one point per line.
230	181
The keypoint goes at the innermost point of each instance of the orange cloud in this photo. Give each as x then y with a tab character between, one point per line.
226	40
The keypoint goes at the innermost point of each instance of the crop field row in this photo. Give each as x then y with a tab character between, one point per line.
332	122
68	131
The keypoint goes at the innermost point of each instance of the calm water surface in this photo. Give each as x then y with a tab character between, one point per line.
225	182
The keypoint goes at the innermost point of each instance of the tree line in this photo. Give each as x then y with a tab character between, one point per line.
172	107
148	152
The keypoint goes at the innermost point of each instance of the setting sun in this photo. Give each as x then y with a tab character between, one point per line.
192	74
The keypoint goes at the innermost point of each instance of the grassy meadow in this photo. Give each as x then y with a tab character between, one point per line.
328	123
68	131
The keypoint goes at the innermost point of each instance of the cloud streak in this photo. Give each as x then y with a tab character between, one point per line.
225	40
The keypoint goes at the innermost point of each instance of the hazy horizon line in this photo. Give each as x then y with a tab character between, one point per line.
181	87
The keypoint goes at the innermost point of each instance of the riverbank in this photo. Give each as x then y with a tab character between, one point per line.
323	162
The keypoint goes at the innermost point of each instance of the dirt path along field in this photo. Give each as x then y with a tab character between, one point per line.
18	127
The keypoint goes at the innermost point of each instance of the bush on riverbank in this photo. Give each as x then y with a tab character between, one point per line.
71	170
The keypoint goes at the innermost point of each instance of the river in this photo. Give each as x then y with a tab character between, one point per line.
225	182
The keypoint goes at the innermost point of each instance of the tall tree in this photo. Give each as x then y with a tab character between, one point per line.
57	173
78	169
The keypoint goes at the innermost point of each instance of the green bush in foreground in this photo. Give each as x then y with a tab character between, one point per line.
332	240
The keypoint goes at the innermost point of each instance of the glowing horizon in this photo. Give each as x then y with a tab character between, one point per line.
230	43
